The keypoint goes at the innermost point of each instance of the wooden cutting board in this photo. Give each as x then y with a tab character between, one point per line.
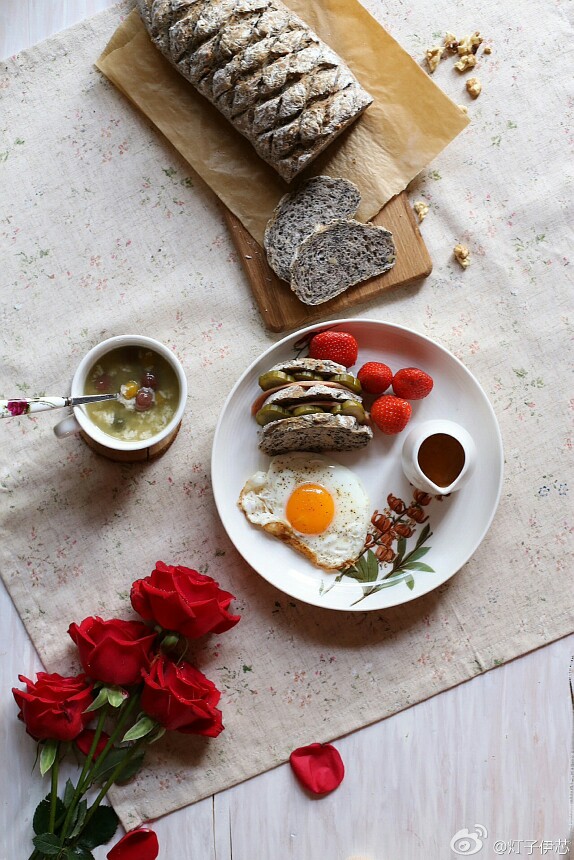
281	309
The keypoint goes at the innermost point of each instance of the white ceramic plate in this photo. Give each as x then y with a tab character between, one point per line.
456	524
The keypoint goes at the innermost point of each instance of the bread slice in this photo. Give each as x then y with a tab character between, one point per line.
319	432
322	366
338	255
297	394
318	201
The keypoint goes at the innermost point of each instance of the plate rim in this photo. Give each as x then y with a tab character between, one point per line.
332	324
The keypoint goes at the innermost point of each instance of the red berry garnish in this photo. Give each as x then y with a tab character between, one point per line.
391	414
375	377
339	346
412	383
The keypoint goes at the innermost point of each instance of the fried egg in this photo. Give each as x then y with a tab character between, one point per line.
315	505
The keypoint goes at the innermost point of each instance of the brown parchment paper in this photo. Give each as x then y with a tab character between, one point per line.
409	123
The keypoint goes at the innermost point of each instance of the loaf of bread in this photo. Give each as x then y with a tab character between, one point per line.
318	201
286	91
338	255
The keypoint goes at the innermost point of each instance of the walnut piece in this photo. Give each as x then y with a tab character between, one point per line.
469	44
463	108
433	57
462	255
466	62
473	87
451	43
422	210
487	49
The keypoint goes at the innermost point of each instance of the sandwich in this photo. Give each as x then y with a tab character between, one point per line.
310	404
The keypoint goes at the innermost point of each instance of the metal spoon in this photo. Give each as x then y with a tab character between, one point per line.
12	408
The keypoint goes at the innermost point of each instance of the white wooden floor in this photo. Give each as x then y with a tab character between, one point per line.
493	753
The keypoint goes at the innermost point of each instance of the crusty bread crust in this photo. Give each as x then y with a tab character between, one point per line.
264	68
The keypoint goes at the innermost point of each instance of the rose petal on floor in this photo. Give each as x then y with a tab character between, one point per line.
319	767
140	844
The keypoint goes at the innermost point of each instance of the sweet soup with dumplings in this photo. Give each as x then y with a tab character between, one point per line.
148	389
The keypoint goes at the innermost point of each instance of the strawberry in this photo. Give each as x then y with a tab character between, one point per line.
375	377
412	383
391	414
339	346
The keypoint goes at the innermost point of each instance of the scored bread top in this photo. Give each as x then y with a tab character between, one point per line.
336	256
316	202
264	68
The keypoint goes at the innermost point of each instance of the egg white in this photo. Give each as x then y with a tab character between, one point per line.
264	498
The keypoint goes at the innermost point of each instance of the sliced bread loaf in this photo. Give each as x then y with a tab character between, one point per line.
318	201
338	255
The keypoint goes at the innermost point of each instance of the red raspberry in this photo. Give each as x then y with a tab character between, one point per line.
391	414
375	377
339	346
412	383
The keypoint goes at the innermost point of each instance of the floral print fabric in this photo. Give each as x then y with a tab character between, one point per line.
105	230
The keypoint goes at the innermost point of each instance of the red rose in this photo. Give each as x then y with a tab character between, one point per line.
53	707
85	740
183	600
115	651
181	698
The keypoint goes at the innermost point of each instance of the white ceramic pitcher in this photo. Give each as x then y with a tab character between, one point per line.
438	456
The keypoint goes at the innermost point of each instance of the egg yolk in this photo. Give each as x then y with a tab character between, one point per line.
310	509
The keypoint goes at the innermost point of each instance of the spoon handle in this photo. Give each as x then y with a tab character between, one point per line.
11	408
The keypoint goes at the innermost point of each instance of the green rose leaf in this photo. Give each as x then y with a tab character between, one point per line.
48	756
78	852
79	818
41	820
112	759
47	844
68	792
116	696
100	828
100	700
131	768
143	727
410	582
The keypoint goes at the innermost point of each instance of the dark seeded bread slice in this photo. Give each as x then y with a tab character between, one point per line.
298	394
314	433
320	200
315	365
338	255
